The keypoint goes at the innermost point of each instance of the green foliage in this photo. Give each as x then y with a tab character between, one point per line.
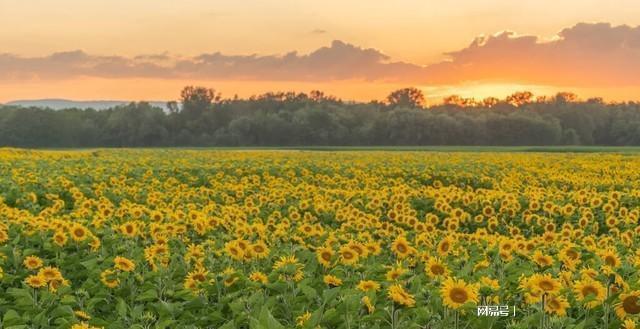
291	119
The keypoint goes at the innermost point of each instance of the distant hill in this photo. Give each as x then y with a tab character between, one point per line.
59	104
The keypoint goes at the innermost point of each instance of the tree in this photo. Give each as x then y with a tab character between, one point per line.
456	100
520	98
197	100
490	102
407	97
564	97
173	107
289	118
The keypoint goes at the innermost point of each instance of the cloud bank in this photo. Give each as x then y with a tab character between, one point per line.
340	61
585	55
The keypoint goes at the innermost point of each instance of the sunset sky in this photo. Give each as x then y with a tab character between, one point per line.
362	50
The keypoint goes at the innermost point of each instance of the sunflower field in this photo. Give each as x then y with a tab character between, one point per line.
318	239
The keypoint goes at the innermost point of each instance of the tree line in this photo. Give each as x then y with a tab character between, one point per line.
203	118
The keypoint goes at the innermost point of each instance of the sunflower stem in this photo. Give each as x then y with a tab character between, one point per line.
544	315
457	319
606	306
393	315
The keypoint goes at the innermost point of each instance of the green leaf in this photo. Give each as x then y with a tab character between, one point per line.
148	295
168	323
309	292
90	264
62	311
331	316
12	318
330	294
121	308
267	320
228	325
68	299
314	321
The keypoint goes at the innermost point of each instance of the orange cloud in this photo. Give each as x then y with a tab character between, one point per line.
586	55
340	61
583	56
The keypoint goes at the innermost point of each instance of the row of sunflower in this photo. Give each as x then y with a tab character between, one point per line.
284	239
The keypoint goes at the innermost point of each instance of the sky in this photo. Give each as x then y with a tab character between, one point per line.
360	50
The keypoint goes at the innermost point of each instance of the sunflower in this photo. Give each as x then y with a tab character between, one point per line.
570	257
400	296
289	268
366	301
556	305
444	246
4	236
456	293
32	262
394	273
78	232
324	256
588	272
541	259
60	238
285	261
359	248
198	275
50	273
368	285
56	283
487	282
95	243
348	256
481	265
545	283
195	253
436	268
629	304
401	247
234	250
129	229
506	256
259	277
82	315
610	258
628	324
124	264
109	278
332	280
373	248
259	250
35	281
302	319
590	291
506	246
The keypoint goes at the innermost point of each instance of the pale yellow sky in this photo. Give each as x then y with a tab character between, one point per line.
419	32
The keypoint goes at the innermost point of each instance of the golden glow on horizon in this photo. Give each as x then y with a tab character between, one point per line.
480	91
164	90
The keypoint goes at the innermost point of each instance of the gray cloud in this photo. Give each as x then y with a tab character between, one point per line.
336	62
584	55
